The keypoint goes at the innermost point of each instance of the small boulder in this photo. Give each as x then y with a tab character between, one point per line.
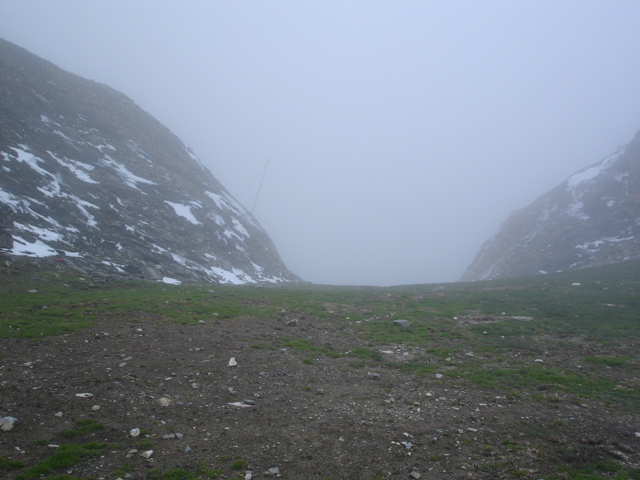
7	423
402	323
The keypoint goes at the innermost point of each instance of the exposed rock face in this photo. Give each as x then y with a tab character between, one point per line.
89	176
591	219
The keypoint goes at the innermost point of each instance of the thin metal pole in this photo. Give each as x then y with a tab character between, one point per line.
260	186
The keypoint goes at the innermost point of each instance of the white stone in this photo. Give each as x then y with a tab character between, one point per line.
7	423
232	362
134	432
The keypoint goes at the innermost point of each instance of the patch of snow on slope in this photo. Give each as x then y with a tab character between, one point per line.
104	147
11	200
217	218
227	203
136	149
238	226
48	121
575	209
37	248
81	204
41	233
23	205
591	172
119	268
23	155
193	156
77	168
234	277
595	245
184	211
58	132
30	159
125	174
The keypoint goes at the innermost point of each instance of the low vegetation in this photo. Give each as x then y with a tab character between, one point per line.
568	337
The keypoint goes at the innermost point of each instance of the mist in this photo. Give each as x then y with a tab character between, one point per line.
381	142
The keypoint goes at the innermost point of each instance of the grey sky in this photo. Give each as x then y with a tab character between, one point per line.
400	134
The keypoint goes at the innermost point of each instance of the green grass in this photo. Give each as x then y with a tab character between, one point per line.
6	465
83	426
64	456
598	320
598	471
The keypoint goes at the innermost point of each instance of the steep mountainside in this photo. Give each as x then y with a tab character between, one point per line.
88	176
591	219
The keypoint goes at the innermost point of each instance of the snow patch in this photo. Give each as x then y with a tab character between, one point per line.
228	204
591	172
77	168
193	156
125	174
37	248
594	246
184	211
119	268
238	226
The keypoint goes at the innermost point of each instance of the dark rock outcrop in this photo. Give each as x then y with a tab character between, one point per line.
88	176
591	219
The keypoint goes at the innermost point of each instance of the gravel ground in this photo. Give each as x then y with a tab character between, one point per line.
277	413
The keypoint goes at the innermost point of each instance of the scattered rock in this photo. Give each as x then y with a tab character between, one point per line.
402	323
239	404
7	423
84	395
134	432
232	362
147	454
415	475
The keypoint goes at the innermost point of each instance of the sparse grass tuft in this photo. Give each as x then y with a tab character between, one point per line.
84	426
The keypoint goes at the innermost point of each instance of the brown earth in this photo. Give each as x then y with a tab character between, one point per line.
326	419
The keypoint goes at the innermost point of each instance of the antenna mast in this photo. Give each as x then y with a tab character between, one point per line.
260	186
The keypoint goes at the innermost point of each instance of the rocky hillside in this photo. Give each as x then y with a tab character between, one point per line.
91	178
591	219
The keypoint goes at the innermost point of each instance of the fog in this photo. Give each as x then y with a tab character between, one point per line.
398	135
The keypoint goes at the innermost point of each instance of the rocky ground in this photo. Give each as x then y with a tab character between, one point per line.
278	413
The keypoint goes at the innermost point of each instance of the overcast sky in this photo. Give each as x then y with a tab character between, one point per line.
399	134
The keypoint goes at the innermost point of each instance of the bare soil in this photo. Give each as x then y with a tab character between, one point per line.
327	418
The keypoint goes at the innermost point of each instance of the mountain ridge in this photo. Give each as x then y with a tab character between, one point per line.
91	177
590	219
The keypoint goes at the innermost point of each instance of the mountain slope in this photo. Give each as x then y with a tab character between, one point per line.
89	176
591	219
